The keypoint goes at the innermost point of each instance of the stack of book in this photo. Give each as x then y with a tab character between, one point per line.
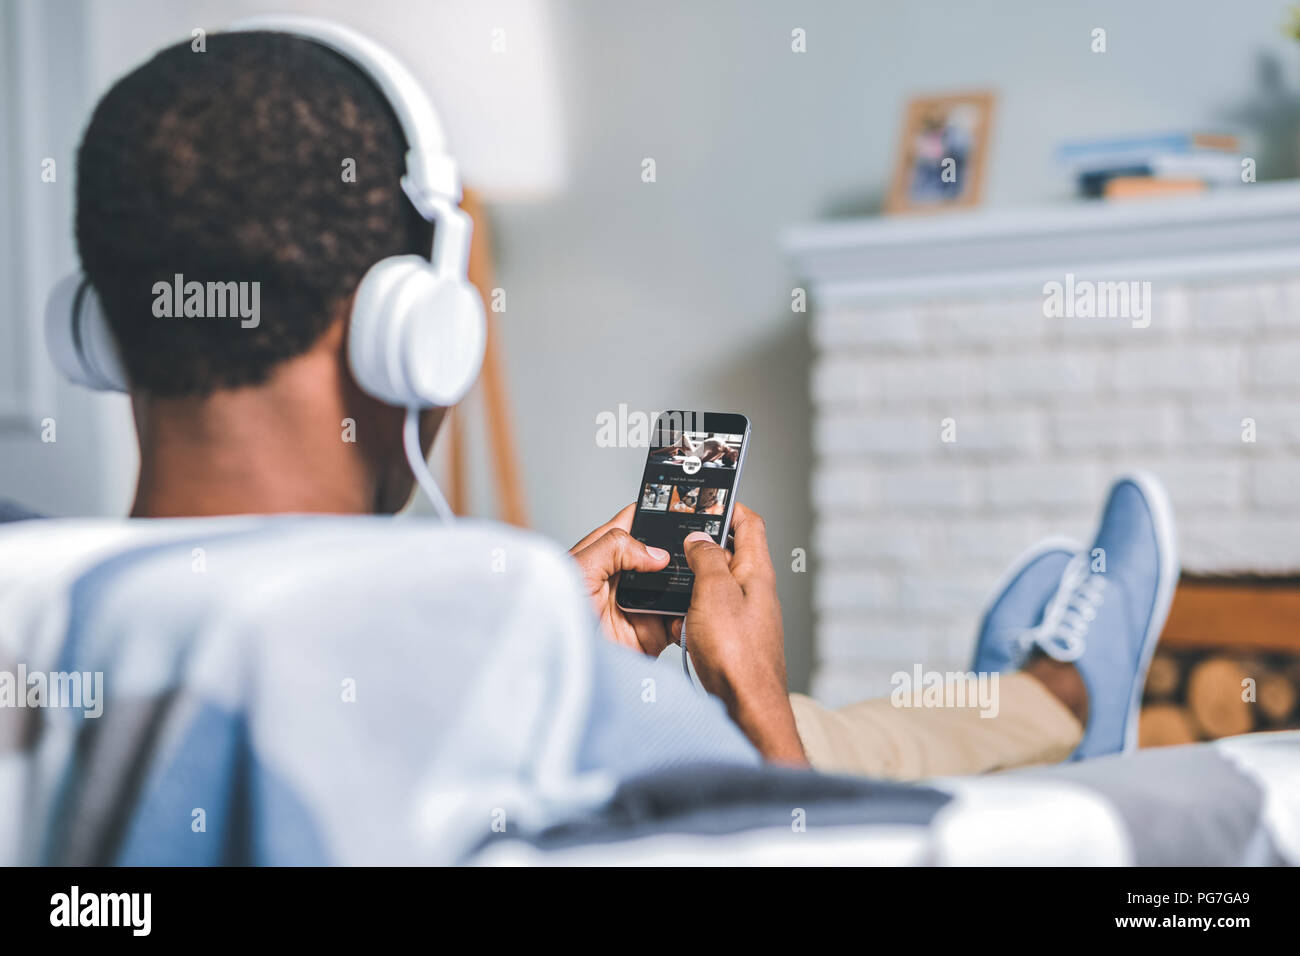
1156	165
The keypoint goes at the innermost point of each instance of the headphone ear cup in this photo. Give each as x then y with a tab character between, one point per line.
446	338
374	352
78	337
415	338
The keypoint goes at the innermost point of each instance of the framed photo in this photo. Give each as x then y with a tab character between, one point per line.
943	153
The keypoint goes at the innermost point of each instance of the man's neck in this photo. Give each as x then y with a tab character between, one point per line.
274	448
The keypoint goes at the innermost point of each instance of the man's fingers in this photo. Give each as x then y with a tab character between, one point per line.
752	562
748	526
651	633
675	629
616	551
622	521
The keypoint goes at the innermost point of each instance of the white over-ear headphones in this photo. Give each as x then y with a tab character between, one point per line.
417	330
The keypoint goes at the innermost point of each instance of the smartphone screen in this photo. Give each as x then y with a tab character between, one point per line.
689	484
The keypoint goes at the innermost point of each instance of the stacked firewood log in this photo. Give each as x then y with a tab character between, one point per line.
1203	694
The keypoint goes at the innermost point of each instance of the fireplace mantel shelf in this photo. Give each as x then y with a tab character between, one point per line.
1249	229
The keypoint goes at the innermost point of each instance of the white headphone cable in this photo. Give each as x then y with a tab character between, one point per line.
420	467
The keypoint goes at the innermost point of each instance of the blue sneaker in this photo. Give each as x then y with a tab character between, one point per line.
1018	603
1110	608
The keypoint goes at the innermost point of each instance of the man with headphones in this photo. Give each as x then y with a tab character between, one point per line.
300	157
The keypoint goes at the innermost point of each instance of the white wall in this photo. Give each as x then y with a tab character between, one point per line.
89	466
676	293
911	532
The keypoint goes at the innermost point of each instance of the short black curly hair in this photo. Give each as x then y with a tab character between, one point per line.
228	165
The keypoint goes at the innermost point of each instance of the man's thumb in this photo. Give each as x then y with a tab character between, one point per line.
625	553
703	554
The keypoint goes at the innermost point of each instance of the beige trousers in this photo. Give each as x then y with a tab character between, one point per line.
878	739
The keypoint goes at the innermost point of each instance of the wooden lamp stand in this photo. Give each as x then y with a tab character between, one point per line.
505	461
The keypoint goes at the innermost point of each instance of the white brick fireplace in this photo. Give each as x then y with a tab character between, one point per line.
918	321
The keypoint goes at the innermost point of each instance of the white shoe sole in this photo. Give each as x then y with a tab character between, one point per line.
1162	516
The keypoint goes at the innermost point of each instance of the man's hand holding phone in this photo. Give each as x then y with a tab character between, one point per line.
733	625
601	556
735	636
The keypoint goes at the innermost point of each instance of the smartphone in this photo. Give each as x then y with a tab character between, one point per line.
689	484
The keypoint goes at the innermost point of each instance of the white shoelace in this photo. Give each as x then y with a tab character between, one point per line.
1062	632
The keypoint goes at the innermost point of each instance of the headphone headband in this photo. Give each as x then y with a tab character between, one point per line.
432	181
